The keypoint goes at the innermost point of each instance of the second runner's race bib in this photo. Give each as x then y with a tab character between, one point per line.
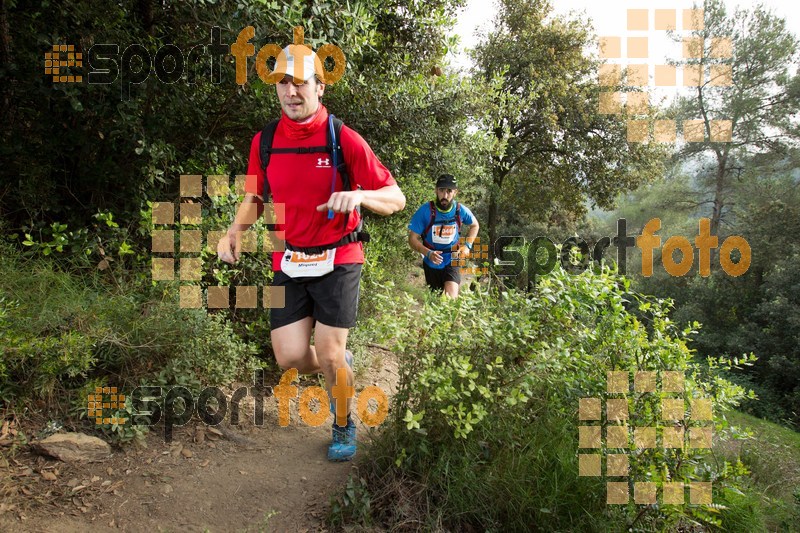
297	264
444	234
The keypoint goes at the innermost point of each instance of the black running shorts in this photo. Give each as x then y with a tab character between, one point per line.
331	299
435	278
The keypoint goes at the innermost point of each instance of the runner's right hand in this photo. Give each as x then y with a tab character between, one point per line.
229	246
436	257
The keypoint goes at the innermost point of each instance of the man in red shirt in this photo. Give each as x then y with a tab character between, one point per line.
321	285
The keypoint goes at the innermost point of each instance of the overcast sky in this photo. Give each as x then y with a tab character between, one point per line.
610	19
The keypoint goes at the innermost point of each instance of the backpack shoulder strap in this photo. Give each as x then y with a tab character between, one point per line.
430	225
264	151
335	145
265	148
458	217
333	133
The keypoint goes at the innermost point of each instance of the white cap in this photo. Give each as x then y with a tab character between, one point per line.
299	61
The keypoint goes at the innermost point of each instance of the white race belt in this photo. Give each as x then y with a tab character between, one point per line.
298	264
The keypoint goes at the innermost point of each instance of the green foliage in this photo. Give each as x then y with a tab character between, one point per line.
352	506
756	312
772	454
105	149
485	417
212	355
63	335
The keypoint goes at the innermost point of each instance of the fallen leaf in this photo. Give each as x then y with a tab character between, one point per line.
205	463
186	453
48	476
95	478
114	487
6	507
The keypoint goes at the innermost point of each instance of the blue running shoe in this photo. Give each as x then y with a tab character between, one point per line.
343	443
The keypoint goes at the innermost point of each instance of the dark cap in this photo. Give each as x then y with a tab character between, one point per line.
446	181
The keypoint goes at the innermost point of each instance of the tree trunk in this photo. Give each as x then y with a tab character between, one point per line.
146	12
492	225
5	61
719	201
495	190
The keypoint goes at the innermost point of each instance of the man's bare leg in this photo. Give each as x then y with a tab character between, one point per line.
330	343
291	344
451	289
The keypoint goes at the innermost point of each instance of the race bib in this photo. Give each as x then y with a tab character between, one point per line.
444	234
297	264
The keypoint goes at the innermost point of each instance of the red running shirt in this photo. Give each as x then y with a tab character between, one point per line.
303	181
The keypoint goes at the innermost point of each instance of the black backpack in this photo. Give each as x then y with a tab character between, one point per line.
433	219
332	148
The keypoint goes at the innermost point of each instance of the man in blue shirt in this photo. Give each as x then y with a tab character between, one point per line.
434	232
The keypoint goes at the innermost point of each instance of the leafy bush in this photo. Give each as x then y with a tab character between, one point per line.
484	423
64	334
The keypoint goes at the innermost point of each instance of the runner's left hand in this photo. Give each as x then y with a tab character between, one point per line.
342	202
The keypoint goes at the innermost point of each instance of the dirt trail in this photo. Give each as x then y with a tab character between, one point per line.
200	482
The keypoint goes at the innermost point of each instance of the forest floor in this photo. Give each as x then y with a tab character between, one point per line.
248	479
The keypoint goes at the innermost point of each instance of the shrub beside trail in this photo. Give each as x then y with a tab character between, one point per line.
483	432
